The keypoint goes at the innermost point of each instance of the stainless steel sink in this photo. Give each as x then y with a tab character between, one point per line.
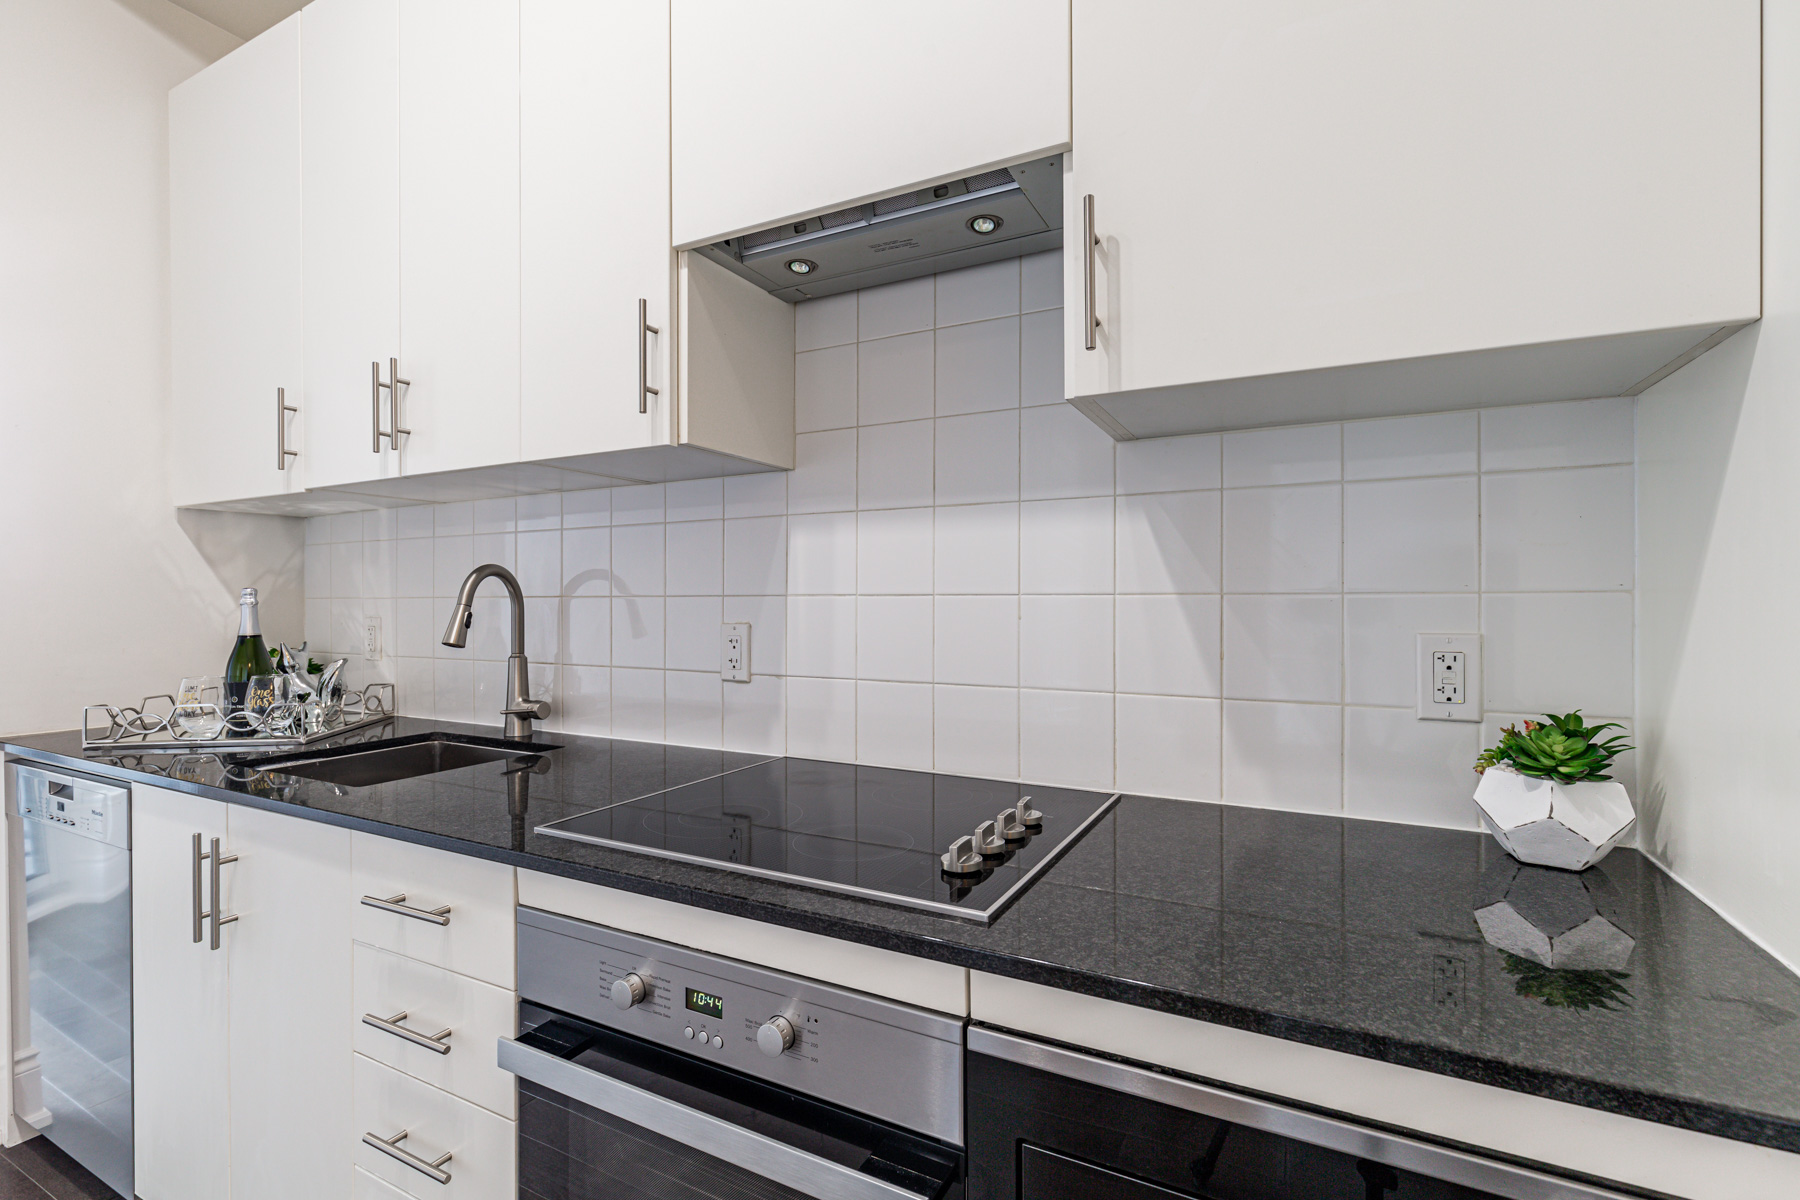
385	764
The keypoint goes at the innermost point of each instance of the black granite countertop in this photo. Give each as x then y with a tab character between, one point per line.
1358	936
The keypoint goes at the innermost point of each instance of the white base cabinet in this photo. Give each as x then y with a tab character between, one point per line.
290	977
180	1004
241	1058
1308	210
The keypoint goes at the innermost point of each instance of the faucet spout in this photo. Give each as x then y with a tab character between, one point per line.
520	709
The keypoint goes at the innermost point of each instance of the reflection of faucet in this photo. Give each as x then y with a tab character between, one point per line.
520	709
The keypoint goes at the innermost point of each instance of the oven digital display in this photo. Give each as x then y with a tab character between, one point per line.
711	1006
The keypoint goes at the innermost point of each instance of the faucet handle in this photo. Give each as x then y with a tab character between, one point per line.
537	710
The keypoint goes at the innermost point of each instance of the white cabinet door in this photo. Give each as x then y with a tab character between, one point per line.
290	996
459	232
814	105
594	234
234	247
179	1017
350	188
1300	184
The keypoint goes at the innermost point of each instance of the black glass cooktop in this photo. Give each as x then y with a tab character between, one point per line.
871	831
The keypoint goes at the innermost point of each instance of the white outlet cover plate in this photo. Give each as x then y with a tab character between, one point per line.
1469	646
734	652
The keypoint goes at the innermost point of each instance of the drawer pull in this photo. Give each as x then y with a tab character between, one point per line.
437	916
433	1042
433	1170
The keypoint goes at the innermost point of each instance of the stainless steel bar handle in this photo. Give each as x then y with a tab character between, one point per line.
433	1170
645	391
393	385
199	908
282	409
375	386
218	860
432	1042
437	916
1090	323
803	1171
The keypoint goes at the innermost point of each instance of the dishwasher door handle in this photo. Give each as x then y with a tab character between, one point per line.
754	1152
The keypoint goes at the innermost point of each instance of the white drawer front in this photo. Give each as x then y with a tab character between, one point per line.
483	1147
365	1186
479	937
433	999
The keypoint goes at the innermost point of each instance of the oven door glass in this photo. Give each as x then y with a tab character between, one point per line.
604	1114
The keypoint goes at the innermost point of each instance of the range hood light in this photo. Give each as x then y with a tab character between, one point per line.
802	266
985	223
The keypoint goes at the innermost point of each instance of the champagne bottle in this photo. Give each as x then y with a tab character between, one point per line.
249	656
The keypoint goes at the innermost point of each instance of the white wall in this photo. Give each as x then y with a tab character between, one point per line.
104	593
1719	503
964	574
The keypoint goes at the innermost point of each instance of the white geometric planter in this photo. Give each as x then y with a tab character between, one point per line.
1567	825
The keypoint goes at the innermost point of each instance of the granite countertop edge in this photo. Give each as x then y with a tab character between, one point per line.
1680	1112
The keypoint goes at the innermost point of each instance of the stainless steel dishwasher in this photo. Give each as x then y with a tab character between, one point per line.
77	849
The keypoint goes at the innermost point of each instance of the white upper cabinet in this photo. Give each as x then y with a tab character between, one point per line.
459	232
794	109
594	226
1308	210
350	195
234	233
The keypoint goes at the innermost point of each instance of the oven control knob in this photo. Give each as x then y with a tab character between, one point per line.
629	990
776	1037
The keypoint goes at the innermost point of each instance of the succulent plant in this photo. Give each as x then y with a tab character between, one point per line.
1564	988
1557	748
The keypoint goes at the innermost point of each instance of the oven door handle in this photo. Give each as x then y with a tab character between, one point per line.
764	1156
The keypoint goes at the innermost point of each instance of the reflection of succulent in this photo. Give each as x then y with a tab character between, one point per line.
1566	988
1561	749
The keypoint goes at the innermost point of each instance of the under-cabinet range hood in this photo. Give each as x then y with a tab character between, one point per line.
997	214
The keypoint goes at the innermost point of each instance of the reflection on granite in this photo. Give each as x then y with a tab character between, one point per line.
1564	920
1357	936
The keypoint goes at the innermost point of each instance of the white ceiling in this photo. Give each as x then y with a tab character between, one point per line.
245	18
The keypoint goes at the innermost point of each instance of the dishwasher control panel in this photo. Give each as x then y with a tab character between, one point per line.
96	810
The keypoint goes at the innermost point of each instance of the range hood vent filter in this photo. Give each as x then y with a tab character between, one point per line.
905	236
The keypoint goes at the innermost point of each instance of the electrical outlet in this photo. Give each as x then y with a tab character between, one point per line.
734	652
372	638
1449	677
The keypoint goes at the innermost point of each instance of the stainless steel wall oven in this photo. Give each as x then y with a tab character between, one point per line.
650	1070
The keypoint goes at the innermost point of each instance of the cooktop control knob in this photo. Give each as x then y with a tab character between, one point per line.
776	1037
629	990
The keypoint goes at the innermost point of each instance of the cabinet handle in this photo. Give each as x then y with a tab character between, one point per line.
201	913
282	409
433	1042
645	391
393	385
218	861
200	856
1088	242
432	1170
437	916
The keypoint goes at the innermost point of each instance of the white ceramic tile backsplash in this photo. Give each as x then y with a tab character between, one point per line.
964	574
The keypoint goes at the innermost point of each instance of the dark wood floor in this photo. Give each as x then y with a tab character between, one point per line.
37	1170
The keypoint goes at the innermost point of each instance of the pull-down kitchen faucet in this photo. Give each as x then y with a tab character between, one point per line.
520	709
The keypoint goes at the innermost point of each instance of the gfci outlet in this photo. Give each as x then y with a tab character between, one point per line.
1449	677
734	652
372	639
